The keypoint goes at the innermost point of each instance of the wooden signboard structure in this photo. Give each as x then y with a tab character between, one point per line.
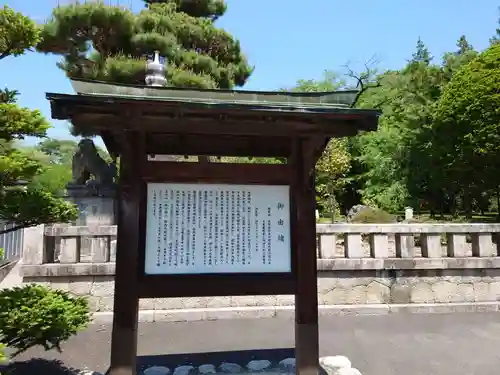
189	229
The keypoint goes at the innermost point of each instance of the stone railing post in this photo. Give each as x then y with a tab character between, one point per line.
33	245
70	250
379	245
112	248
100	249
405	246
482	245
353	245
456	245
431	245
327	245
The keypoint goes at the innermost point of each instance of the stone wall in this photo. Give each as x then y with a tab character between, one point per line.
359	266
340	282
409	286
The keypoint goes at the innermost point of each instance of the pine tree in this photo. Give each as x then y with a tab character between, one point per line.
495	39
212	9
21	203
109	43
422	54
453	61
463	45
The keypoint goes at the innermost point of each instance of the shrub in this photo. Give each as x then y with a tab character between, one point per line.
2	252
370	215
35	315
3	356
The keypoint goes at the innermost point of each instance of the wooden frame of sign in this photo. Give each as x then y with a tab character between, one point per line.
212	284
134	128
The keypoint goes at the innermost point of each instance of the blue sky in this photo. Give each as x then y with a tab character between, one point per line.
287	40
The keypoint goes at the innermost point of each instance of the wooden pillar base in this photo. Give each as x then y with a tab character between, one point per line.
307	349
306	295
124	339
126	297
121	371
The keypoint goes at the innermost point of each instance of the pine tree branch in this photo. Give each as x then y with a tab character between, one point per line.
7	51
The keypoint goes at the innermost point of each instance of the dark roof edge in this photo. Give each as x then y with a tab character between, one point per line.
171	88
92	99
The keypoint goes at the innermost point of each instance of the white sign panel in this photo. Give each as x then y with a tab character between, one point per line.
212	228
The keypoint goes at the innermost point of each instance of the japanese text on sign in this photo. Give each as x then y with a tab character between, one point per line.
211	228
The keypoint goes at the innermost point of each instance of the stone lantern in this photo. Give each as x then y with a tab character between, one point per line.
155	71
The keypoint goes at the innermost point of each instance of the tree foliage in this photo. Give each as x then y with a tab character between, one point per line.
335	163
438	118
22	205
17	33
394	168
331	172
55	158
109	43
436	147
465	133
330	81
34	315
495	39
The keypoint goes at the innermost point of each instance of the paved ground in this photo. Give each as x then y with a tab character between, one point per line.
13	278
434	344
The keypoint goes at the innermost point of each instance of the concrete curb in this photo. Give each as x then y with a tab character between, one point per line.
287	312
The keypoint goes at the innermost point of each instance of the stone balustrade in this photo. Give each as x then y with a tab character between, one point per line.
67	244
382	265
97	244
407	240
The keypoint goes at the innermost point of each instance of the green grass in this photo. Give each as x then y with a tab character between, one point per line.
324	220
491	217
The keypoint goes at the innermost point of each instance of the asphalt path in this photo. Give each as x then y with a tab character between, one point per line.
409	344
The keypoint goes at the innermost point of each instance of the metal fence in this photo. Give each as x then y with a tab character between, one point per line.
11	243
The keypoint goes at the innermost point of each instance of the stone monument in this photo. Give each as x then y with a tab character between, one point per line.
93	187
408	213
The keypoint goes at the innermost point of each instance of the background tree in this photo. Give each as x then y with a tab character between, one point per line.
330	81
395	166
427	183
403	97
22	205
331	172
109	43
466	128
334	164
399	165
495	39
55	156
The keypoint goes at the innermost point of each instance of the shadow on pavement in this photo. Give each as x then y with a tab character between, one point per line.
240	357
38	366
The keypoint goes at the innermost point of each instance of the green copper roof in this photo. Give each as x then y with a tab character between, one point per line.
306	100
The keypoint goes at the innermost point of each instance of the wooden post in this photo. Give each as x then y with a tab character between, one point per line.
126	303
306	297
